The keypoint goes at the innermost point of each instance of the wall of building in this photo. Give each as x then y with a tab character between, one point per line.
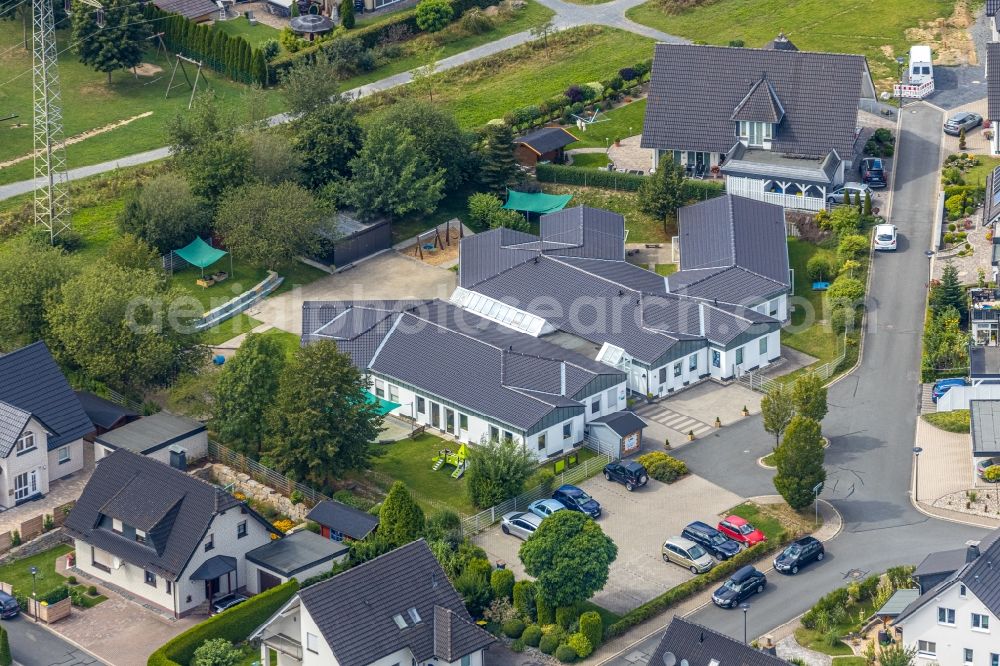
663	381
196	446
776	307
555	442
324	655
752	357
288	625
57	469
605	402
35	459
253	573
951	641
128	576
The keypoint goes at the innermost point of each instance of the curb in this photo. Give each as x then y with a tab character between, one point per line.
957	521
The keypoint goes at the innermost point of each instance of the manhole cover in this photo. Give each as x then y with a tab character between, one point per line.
855	574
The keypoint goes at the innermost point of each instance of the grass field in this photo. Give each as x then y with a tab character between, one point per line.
18	573
254	34
623	121
641	227
817	339
874	29
590	160
289	341
410	461
977	175
958	420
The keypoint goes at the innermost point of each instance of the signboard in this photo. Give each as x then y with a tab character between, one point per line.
630	444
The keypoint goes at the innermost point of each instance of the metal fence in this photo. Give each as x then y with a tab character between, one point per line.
761	383
262	474
124	401
484	519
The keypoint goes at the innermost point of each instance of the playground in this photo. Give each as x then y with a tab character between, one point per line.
413	460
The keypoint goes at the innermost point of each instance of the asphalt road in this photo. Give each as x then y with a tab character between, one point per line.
871	421
33	645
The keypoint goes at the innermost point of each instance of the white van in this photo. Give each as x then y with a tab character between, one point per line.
921	69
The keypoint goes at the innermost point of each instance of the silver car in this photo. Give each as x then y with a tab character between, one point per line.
521	524
544	508
855	189
688	554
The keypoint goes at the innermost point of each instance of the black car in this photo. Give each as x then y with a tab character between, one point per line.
227	602
632	474
872	172
798	554
576	500
742	584
715	542
8	606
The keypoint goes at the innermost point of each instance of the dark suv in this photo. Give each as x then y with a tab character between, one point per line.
742	584
798	554
575	499
632	474
8	606
872	172
715	542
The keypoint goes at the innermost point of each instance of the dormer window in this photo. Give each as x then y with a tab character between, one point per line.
116	525
26	442
140	536
400	622
754	134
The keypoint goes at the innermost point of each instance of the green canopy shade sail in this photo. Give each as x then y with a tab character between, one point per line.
384	406
537	202
200	254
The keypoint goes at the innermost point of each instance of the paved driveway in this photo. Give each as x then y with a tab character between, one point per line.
694	410
389	276
638	522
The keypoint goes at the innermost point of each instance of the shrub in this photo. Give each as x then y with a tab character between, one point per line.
566	654
475	22
548	643
846	288
546	614
217	652
592	627
92	590
296	497
663	467
513	628
992	473
820	268
851	246
524	599
71	580
434	15
565	615
532	635
502	582
270	48
693	190
580	644
15	538
56	595
957	420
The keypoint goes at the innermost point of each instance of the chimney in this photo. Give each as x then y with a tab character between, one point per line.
701	319
971	551
562	378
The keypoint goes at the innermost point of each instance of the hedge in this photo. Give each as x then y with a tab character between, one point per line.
234	625
694	190
687	589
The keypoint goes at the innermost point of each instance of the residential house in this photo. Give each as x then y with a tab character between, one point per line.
546	144
955	618
685	642
983	384
992	102
992	7
398	608
778	123
170	438
340	522
42	425
198	11
164	536
572	286
300	555
104	414
984	426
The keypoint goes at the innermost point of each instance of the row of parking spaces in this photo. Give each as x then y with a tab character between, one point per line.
638	522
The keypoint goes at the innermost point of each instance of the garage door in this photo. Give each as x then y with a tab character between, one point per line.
267	581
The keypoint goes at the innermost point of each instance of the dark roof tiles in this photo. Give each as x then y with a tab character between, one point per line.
347	520
698	645
547	139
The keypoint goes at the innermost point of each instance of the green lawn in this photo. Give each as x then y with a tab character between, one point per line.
764	521
622	122
817	340
768	460
641	227
977	175
814	640
666	269
18	573
850	661
410	461
590	160
874	29
240	27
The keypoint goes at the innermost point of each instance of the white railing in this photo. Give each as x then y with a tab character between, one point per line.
753	190
758	382
910	91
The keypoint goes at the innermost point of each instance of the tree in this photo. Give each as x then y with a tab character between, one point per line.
29	273
274	159
437	135
511	219
118	44
320	424
845	220
847	198
400	519
327	140
423	76
247	386
216	652
857	201
896	654
391	177
961	139
949	293
483	207
777	411
434	15
497	471
6	659
311	84
347	14
799	461
124	327
662	194
543	30
569	556
945	343
809	397
165	213
128	251
496	150
269	225
867	211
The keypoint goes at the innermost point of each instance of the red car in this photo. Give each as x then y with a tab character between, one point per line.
740	530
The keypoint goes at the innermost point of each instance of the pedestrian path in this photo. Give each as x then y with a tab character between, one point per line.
926	402
681	423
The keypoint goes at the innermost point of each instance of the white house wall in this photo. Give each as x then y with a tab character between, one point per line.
58	470
778	305
253	573
958	397
129	577
324	655
196	447
951	641
289	626
663	382
752	358
35	459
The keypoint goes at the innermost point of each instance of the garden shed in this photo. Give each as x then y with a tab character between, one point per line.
341	522
618	435
193	10
547	144
156	436
299	555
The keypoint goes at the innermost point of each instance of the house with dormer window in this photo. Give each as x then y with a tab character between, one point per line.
779	124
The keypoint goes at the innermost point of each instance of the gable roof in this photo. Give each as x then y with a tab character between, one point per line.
173	508
546	139
189	9
992	6
347	520
622	423
993	81
354	610
782	43
31	381
760	105
991	199
701	646
152	433
818	92
13	421
103	413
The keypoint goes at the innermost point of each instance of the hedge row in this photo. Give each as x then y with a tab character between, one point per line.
688	589
694	190
234	625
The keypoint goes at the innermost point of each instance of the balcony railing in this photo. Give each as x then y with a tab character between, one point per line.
284	644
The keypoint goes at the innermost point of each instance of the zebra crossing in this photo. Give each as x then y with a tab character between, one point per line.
681	423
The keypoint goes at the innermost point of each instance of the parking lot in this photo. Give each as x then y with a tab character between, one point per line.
638	522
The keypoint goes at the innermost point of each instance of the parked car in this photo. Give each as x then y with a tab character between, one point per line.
885	237
942	386
521	524
544	508
984	465
798	554
688	554
963	120
8	606
740	530
715	542
742	584
872	172
630	473
837	195
227	602
575	499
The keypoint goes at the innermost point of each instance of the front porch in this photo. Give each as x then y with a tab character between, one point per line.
784	193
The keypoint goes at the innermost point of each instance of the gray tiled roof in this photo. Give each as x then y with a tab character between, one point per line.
103	413
984	361
347	520
744	161
731	285
485	255
298	551
547	139
621	272
992	6
698	646
993	81
354	610
623	423
12	424
189	9
152	433
985	426
761	104
991	198
695	89
584	232
944	561
30	380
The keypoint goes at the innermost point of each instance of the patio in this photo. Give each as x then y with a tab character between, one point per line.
60	492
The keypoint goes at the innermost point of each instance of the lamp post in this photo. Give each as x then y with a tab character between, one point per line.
899	66
34	572
916	473
817	489
34	601
745	607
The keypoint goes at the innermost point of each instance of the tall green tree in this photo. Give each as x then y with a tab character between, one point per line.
274	159
437	135
117	45
29	273
809	397
311	84
497	471
799	459
320	424
498	169
6	659
392	177
777	410
946	344
949	293
662	194
327	140
165	213
347	14
569	556
400	518
247	386
131	252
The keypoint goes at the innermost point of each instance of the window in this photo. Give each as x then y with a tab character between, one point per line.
414	615
467	660
209	542
994	659
421	406
961	590
64	455
507	436
595	406
400	622
100	560
693	362
463	422
927	648
567	430
980	622
494	433
26	442
716	359
946	615
772	307
763	346
393	393
150	578
663	375
116	525
312	643
755	134
241	529
541	441
739	356
140	536
611	398
169	587
677	369
967	655
380	388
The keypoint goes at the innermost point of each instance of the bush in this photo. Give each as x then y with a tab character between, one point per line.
566	654
580	644
524	599
513	628
565	616
957	420
546	614
475	22
846	288
71	580
820	268
92	590
992	473
592	627
663	467
56	595
217	652
548	643
693	190
851	246
270	48
434	15
532	635
502	582
517	646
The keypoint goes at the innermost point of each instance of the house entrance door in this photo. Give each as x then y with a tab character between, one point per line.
436	415
449	421
25	485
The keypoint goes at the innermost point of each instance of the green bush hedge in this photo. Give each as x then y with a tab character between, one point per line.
234	625
957	420
662	467
694	190
532	635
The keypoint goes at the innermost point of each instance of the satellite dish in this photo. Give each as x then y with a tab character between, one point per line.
669	659
684	662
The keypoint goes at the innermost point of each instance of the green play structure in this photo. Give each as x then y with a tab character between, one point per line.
456	459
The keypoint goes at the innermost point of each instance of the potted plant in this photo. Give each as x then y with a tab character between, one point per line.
618	142
718	422
690	435
649	397
746	412
666	445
